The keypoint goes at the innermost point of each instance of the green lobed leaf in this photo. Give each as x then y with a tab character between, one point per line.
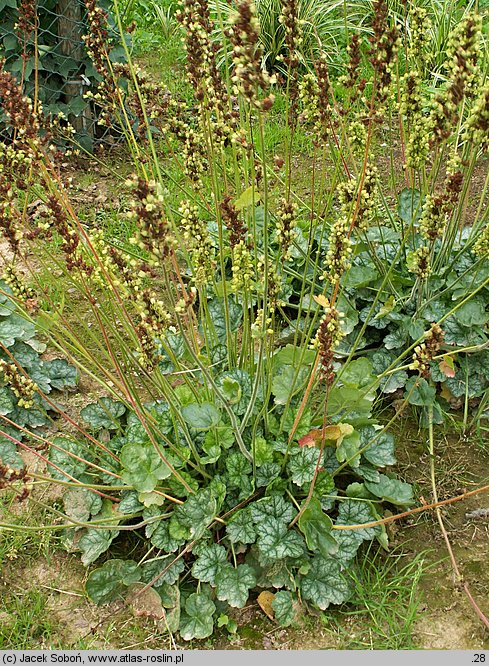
236	386
275	507
210	558
302	465
8	450
472	313
348	544
358	373
154	568
160	536
276	540
392	490
15	328
201	417
419	392
104	414
61	374
317	529
238	471
353	512
267	473
142	467
197	512
7	405
197	620
409	205
284	608
94	542
348	448
81	503
380	452
62	456
288	382
241	529
111	580
233	584
324	583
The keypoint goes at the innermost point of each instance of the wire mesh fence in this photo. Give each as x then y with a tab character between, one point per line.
42	45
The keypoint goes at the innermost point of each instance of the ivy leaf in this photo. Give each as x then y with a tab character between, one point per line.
240	529
276	541
316	527
380	452
197	620
324	584
95	542
61	373
284	608
392	490
150	570
210	558
302	465
352	512
110	581
233	585
419	392
201	417
143	467
275	507
103	414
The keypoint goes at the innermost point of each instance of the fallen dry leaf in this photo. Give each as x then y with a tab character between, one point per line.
145	604
265	599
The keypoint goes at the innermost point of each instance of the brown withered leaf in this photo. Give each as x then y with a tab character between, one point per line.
315	437
145	604
447	366
265	599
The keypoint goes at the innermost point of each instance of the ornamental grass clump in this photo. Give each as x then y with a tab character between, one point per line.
236	336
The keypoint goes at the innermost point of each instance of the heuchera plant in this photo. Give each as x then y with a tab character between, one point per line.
237	431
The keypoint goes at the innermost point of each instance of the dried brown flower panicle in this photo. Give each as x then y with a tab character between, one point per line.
384	47
12	478
463	76
328	337
425	352
249	76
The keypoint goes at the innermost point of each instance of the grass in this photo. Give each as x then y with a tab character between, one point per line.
385	602
24	622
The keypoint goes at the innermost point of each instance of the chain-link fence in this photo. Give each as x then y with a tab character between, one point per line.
42	45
